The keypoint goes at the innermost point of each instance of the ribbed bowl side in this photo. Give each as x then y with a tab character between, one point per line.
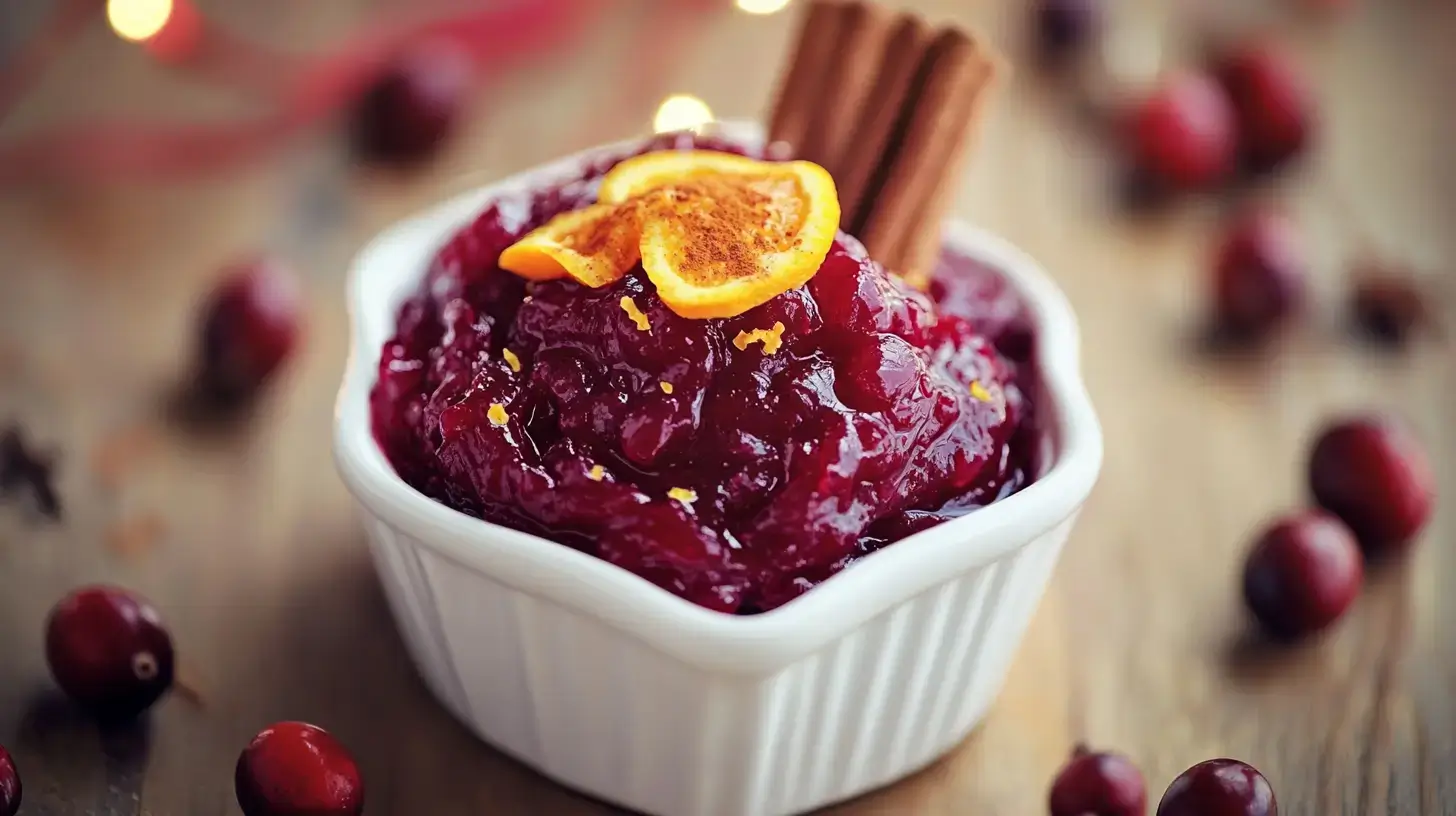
599	711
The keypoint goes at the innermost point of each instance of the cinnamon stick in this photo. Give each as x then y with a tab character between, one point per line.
870	143
801	95
888	106
917	251
864	31
934	134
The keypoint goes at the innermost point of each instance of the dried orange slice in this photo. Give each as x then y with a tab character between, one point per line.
595	246
717	234
722	234
641	174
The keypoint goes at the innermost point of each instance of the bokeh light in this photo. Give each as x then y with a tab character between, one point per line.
138	20
681	112
763	6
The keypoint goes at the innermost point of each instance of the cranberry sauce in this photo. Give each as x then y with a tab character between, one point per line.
733	462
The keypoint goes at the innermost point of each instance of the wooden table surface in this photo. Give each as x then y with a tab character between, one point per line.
245	537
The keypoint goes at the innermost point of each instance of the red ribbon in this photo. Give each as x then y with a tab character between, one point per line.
305	90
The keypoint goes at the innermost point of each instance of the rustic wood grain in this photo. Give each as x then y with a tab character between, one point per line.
1140	645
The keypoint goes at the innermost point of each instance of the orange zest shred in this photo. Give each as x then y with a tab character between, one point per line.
497	414
979	391
717	234
630	307
597	473
686	495
772	339
665	386
512	360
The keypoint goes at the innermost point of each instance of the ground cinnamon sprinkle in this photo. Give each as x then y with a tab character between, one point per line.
603	237
612	238
727	224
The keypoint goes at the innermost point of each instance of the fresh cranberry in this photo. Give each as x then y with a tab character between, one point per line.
1373	473
250	326
293	769
1183	136
1258	276
109	651
1271	101
414	105
1098	784
9	785
1302	574
1219	787
1064	26
1388	307
734	462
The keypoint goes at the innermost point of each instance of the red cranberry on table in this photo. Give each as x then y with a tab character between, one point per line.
109	651
1183	136
1219	787
250	325
1258	276
1302	574
295	768
1065	26
1273	106
1388	307
1098	784
1373	473
9	785
414	106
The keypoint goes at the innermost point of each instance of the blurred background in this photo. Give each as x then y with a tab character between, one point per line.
150	149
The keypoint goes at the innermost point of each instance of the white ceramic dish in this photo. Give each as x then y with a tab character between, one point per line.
616	688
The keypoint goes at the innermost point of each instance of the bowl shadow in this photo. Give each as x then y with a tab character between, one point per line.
347	669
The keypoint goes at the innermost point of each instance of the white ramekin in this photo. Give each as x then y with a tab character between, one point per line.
614	687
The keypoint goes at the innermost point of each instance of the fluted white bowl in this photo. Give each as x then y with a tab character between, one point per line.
617	688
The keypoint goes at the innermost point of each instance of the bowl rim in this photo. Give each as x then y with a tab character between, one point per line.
390	267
